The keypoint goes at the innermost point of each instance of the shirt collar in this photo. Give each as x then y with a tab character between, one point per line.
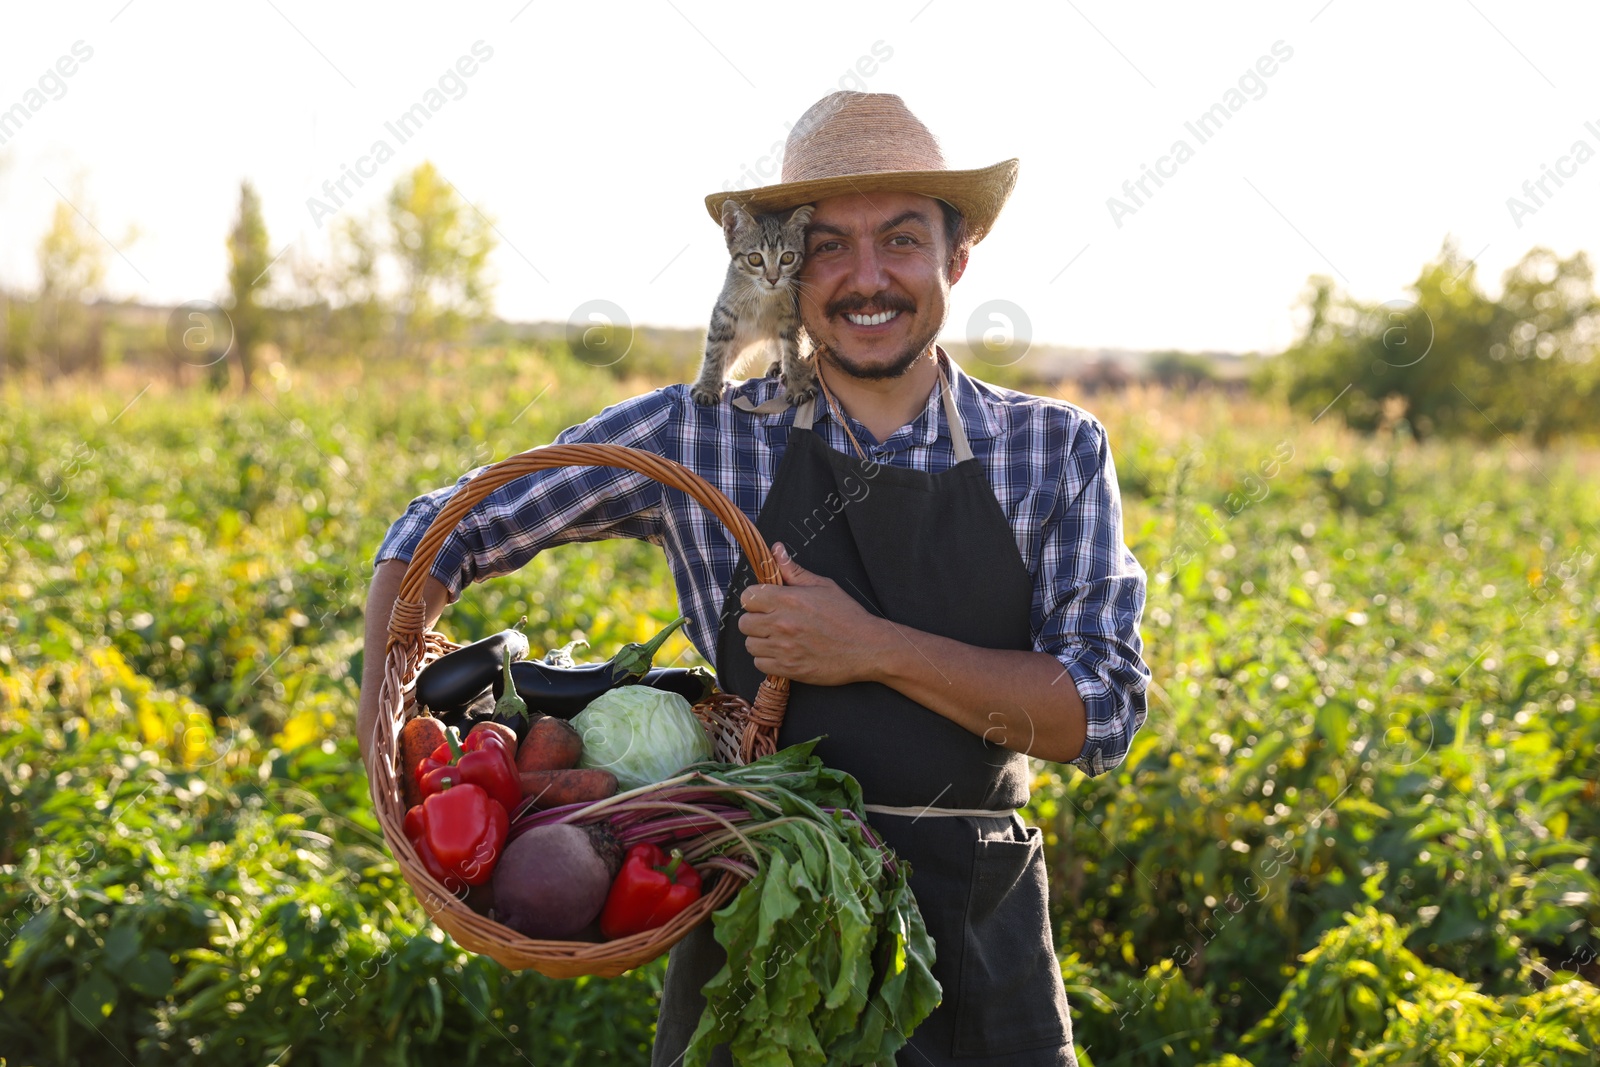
930	425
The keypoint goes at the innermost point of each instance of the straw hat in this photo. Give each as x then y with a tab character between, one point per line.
850	142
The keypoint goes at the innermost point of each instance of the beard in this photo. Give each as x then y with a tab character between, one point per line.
898	367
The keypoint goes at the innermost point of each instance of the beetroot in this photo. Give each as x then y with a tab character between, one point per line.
552	881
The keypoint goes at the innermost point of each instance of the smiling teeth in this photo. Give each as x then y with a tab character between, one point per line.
872	320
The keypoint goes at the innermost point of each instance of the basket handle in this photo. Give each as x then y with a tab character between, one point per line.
410	611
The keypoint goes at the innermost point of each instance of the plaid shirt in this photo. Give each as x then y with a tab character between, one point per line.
1048	462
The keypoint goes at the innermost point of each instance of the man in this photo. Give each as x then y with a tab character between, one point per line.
956	591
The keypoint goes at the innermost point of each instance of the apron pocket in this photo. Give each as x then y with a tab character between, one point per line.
1010	997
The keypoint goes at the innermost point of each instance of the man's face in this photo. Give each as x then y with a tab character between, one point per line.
874	289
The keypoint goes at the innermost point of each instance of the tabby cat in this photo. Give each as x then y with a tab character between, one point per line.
759	310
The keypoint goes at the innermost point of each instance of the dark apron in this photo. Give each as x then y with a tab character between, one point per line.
934	552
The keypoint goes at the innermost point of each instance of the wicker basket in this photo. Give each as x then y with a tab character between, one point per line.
739	732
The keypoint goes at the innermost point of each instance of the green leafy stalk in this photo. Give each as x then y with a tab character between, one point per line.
633	661
834	961
562	657
510	702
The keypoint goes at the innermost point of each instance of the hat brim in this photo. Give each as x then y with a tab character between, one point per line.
977	194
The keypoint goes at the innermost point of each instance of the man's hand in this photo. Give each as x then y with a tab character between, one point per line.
808	630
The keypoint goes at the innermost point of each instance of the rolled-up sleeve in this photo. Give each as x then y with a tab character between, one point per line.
1088	600
547	508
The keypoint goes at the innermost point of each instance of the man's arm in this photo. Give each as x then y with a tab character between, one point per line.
1024	701
385	589
810	630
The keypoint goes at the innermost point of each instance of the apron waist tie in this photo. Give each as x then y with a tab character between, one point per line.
974	813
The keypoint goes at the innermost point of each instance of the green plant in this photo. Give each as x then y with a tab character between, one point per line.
1365	707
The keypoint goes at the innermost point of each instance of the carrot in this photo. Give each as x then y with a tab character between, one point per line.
418	739
552	744
551	789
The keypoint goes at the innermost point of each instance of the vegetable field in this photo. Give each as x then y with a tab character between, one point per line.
1359	826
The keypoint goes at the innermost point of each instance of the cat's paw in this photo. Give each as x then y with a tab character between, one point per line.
799	388
706	395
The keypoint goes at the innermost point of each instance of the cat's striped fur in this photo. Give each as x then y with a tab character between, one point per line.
758	313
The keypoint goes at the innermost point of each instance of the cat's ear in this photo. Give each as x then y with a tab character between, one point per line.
734	219
801	218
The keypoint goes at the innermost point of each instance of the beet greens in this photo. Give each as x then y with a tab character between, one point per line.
827	911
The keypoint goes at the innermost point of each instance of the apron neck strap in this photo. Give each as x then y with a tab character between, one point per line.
806	413
958	432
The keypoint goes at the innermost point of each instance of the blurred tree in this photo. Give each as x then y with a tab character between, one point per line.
1450	358
300	322
1181	369
1429	350
72	265
335	305
354	279
1543	367
249	264
442	245
15	331
1104	375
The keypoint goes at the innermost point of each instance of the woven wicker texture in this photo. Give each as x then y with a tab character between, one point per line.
739	732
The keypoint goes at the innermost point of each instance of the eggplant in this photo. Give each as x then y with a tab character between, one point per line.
455	680
480	709
694	684
565	691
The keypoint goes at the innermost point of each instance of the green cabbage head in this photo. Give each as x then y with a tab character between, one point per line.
641	735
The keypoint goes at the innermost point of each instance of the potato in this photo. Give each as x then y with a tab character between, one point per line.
552	744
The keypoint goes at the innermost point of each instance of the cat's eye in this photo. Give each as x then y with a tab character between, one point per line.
788	258
755	259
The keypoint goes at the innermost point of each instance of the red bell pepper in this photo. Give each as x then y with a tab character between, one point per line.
648	891
416	833
484	760
506	735
458	832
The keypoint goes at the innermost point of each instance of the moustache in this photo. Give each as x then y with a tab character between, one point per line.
869	305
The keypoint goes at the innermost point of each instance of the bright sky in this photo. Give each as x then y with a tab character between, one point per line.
593	132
